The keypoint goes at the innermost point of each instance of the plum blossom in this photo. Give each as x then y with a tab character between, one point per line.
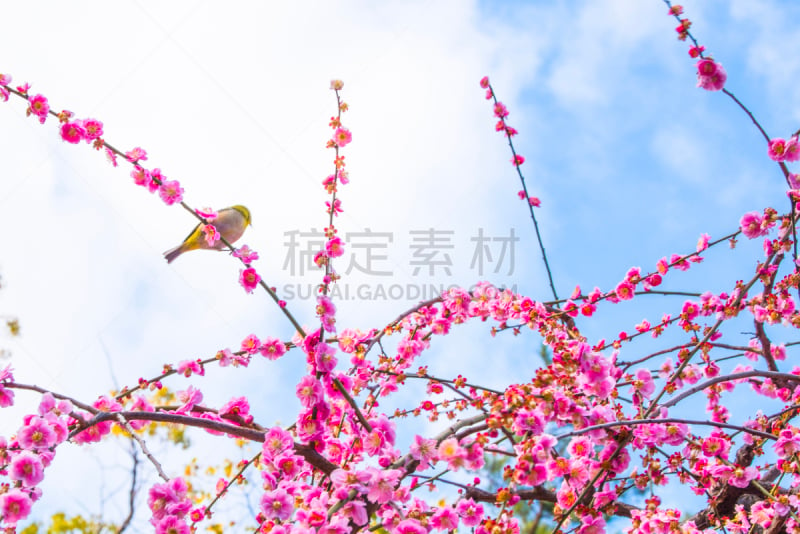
277	504
248	278
15	506
39	107
27	468
710	75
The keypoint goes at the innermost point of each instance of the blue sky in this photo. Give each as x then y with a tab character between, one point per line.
631	161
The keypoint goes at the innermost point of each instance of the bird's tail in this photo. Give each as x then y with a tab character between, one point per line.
173	253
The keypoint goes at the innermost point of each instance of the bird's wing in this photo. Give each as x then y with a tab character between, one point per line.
195	229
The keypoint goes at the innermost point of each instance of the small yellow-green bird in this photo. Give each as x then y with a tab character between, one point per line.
230	223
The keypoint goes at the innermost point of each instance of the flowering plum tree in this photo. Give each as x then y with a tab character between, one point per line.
598	436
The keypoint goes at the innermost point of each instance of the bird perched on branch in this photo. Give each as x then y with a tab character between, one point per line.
229	222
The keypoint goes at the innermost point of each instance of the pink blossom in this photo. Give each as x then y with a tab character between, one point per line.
189	367
690	310
336	209
72	132
751	223
107	404
791	150
580	446
251	344
27	468
168	499
349	340
142	177
342	137
776	149
485	82
374	443
325	306
527	420
625	290
675	433
679	263
39	107
172	525
237	409
156	179
324	359
272	348
36	434
14	506
762	514
741	476
170	192
410	526
207	213
277	504
48	404
500	111
245	254
650	435
5	79
137	154
716	445
225	357
710	75
140	404
702	243
249	279
517	160
470	512
382	484
788	443
289	465
211	234
276	441
662	266
309	391
356	510
592	524
334	247
424	451
644	382
189	399
93	128
6	397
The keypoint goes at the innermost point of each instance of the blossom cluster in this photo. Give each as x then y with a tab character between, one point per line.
24	457
501	113
711	76
74	130
588	432
334	246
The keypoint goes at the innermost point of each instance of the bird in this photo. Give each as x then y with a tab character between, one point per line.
230	223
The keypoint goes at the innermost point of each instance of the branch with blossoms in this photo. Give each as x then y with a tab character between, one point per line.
501	112
73	131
